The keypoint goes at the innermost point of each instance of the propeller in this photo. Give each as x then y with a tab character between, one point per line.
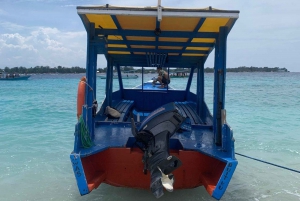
167	180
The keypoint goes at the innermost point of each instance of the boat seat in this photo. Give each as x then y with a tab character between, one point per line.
188	110
123	107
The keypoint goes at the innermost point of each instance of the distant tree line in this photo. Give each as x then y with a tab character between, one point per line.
44	69
249	69
130	69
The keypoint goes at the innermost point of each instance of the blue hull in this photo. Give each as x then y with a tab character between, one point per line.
145	136
15	78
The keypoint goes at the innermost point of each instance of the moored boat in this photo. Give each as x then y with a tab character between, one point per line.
180	74
13	76
124	76
146	136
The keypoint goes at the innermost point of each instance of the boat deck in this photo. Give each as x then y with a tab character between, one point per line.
150	86
200	139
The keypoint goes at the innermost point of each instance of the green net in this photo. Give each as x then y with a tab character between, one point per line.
84	134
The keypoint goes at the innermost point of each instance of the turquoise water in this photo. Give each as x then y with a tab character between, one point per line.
37	119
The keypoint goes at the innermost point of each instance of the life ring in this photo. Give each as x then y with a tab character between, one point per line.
80	96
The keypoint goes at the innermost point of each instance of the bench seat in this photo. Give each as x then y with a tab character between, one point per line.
123	107
188	110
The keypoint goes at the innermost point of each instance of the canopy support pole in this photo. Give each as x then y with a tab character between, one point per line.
200	91
91	70
120	79
219	83
109	81
188	85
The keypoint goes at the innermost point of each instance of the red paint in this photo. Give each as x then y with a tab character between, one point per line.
124	167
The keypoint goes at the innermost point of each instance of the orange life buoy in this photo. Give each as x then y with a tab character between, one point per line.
80	96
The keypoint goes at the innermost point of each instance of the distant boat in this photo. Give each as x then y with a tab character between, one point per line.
282	70
124	76
180	74
10	76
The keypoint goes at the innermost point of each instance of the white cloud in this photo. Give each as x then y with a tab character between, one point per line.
266	33
11	26
43	46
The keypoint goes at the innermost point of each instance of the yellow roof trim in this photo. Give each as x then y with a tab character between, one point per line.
187	54
203	40
115	37
168	39
140	38
170	47
137	23
117	52
102	21
197	48
142	46
213	24
117	45
179	23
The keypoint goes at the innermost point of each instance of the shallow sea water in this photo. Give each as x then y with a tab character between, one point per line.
38	116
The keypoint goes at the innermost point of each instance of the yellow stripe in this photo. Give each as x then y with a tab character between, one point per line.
139	53
142	46
102	21
203	40
213	24
186	54
170	47
173	39
117	52
140	38
197	48
137	23
179	23
115	37
116	45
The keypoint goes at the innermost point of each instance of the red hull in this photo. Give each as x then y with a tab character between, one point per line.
123	167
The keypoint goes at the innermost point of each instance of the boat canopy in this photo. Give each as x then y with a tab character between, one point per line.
155	36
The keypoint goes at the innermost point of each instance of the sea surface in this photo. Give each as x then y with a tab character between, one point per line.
38	117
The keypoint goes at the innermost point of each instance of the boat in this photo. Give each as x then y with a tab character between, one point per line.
123	75
147	137
13	76
180	74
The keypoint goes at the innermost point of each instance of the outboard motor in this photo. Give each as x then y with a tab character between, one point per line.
153	138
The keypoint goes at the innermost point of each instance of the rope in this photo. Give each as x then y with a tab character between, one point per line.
269	163
84	134
89	88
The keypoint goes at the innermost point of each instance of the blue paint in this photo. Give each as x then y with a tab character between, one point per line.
158	43
225	179
79	174
200	131
177	34
157	51
219	82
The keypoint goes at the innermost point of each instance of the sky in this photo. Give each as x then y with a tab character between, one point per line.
50	32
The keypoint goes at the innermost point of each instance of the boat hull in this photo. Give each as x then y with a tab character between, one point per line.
15	78
123	167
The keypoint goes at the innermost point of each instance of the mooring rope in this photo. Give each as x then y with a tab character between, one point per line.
268	163
84	134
